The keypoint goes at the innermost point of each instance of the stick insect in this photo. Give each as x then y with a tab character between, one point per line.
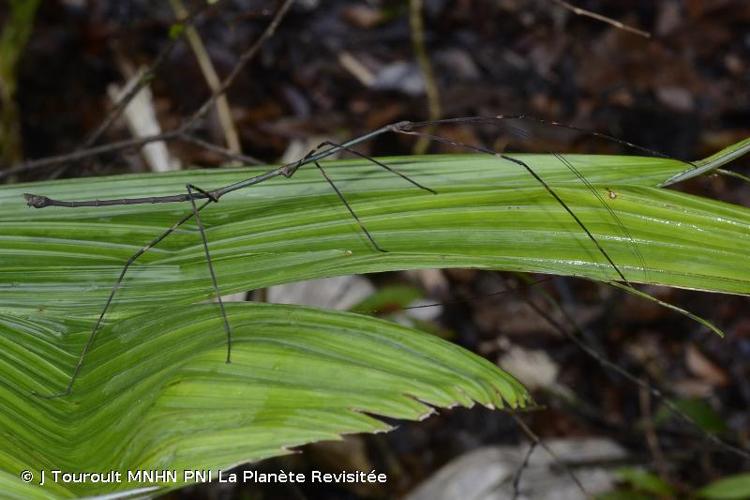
199	198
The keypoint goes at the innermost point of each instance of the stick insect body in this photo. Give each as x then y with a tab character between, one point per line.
194	194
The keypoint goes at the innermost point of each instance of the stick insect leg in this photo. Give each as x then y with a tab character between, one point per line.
348	207
214	282
580	223
612	213
523	134
408	130
113	291
376	162
336	147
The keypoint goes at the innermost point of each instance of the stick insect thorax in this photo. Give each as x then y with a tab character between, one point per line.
288	170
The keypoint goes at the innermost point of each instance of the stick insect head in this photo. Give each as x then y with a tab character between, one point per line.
35	200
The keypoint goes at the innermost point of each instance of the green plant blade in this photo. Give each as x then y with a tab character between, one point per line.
729	488
487	215
157	368
157	394
713	162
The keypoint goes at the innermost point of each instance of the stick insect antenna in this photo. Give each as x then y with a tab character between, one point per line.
490	120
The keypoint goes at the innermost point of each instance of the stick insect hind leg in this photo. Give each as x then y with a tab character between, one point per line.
97	326
525	135
408	128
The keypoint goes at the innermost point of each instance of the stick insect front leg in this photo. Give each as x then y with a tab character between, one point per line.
97	326
214	282
376	162
334	146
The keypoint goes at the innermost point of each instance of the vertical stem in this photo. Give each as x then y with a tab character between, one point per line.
15	33
416	22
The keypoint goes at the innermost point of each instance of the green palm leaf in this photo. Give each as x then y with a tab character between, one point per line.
154	391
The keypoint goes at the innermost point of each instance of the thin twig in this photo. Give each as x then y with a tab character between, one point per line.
15	34
87	153
87	145
519	472
245	58
165	136
123	145
226	153
146	78
576	338
223	111
599	17
649	429
536	439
